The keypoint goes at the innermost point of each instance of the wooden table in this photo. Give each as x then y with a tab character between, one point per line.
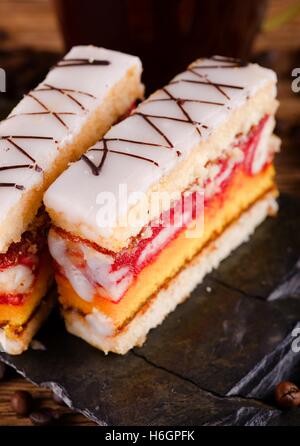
32	23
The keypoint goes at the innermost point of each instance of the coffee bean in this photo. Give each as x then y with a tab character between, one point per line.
287	395
22	402
42	417
2	370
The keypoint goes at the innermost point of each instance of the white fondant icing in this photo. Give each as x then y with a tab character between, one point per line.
75	192
84	87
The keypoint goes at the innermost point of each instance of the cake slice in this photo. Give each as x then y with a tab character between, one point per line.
165	196
82	96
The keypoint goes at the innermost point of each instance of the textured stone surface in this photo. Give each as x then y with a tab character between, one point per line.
221	336
269	262
214	361
117	390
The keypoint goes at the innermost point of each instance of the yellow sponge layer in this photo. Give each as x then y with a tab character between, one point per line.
19	314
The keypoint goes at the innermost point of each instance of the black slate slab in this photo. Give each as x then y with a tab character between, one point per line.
221	336
117	390
214	361
271	261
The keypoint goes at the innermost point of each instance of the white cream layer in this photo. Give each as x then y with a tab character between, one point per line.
16	280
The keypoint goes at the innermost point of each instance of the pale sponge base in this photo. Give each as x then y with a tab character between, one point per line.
19	343
178	289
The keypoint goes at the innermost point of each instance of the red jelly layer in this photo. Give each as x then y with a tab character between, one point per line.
12	299
28	252
130	257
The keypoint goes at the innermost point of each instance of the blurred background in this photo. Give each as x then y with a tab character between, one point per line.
166	34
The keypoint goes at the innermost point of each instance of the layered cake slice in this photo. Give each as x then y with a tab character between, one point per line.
82	96
165	196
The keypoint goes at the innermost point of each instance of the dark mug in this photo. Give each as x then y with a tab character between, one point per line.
166	34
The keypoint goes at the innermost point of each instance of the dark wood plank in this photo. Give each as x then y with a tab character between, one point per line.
43	399
29	23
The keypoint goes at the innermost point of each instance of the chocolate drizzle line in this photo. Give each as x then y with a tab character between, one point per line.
225	59
147	117
17	166
91	165
132	155
33	165
55	114
105	150
205	67
182	101
132	141
16	186
38	113
26	137
13	167
170	118
238	61
64	63
66	92
20	149
203	79
229	62
237	87
97	169
220	90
